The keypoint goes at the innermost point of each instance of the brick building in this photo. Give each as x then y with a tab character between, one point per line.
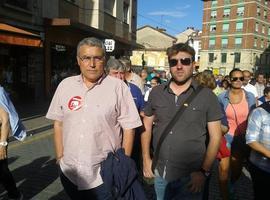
236	33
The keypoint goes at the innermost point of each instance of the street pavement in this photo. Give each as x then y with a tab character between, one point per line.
33	166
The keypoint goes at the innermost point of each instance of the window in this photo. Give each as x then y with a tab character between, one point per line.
262	43
210	57
258	11
213	14
212	43
268	30
257	27
237	57
255	42
226	12
227	1
265	14
125	12
214	2
19	3
263	29
239	26
213	28
225	27
240	11
224	42
109	6
238	42
223	57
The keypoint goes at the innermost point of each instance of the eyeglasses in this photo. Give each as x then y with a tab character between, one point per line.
237	78
87	59
183	61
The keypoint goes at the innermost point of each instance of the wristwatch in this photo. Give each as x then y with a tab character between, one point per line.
205	173
4	144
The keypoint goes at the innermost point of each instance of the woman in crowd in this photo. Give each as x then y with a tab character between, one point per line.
237	104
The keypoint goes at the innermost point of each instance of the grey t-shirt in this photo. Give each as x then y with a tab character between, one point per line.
183	150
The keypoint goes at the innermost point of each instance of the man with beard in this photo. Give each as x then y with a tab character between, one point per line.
184	161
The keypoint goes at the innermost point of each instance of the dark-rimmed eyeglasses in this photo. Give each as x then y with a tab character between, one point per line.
237	78
183	61
87	59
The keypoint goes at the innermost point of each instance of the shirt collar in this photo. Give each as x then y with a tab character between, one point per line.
80	79
193	85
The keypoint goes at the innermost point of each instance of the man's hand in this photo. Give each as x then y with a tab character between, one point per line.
147	168
3	153
196	183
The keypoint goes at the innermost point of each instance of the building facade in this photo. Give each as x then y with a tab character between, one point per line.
236	34
38	39
155	42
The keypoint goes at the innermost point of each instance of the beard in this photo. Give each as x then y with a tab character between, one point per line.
182	82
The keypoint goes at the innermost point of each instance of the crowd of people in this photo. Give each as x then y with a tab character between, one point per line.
170	127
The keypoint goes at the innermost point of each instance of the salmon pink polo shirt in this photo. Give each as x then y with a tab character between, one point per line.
92	125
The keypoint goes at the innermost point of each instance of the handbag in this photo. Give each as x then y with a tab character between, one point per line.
172	122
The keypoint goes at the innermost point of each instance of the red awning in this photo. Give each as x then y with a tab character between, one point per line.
16	36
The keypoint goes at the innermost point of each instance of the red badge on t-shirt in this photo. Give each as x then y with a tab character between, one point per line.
75	103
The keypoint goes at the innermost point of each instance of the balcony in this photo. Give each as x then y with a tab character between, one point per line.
68	10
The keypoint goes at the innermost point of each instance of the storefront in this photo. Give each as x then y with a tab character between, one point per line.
21	64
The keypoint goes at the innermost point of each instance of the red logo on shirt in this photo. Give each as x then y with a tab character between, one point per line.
75	103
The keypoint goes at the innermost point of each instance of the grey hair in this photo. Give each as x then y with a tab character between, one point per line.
93	42
127	63
114	64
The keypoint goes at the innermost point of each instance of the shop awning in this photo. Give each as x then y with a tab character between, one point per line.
16	36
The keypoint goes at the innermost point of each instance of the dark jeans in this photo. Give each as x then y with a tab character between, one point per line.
97	193
261	182
6	179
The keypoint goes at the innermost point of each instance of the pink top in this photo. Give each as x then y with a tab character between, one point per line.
237	115
92	121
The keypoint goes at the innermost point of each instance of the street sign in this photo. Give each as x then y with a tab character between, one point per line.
109	44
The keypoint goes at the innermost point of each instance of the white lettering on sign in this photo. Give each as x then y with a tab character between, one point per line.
109	44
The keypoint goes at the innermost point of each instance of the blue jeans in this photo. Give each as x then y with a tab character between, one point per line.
174	190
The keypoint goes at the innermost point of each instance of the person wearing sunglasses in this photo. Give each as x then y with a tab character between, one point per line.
237	104
184	162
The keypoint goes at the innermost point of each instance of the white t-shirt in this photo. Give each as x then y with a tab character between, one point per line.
251	88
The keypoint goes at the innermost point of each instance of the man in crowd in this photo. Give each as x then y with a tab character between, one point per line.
184	162
249	87
93	115
10	123
130	76
258	137
260	84
117	69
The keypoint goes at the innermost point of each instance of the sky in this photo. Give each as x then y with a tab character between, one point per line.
173	15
